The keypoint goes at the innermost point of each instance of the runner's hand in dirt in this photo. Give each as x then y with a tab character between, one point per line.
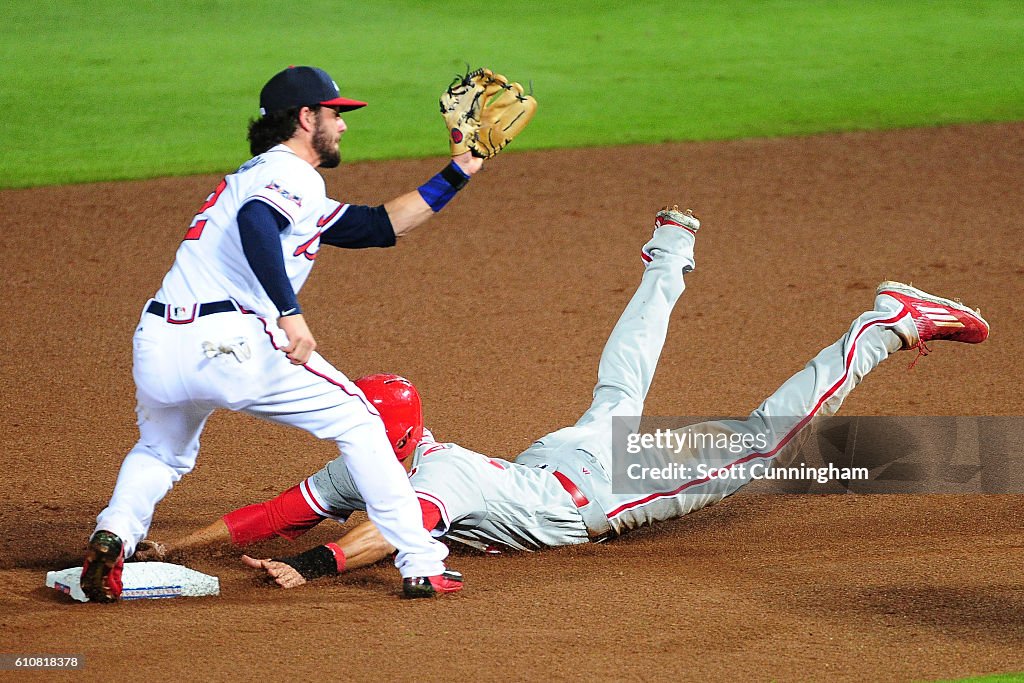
285	575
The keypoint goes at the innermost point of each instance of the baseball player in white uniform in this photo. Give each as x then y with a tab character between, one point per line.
559	491
225	330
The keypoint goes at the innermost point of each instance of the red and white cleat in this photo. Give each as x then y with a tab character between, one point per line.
429	586
931	317
671	215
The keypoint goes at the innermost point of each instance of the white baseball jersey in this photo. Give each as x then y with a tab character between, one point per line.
188	362
210	264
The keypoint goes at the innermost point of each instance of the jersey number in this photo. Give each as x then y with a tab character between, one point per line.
195	230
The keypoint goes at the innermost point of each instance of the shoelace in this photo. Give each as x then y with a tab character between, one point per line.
922	350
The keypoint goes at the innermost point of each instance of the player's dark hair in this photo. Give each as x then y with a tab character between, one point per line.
273	129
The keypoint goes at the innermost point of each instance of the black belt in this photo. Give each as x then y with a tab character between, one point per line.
187	315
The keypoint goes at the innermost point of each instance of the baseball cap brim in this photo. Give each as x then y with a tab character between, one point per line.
343	104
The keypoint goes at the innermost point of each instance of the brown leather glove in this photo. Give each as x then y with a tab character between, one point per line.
484	112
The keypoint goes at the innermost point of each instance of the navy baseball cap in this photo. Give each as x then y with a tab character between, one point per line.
303	86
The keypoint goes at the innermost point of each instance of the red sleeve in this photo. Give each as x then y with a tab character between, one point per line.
431	514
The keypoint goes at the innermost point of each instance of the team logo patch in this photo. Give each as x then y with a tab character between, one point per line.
456	135
276	187
181	315
252	163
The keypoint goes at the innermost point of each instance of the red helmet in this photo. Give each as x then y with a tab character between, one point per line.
398	403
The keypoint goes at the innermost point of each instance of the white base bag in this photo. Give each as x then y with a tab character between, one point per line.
143	580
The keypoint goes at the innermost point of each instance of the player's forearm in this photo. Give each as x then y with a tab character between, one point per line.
216	534
414	208
364	546
360	547
213	535
407	212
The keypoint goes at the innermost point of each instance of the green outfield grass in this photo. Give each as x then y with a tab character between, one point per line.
100	90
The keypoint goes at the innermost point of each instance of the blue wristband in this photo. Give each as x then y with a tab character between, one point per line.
441	189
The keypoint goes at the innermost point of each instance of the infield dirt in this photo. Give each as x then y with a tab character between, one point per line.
498	311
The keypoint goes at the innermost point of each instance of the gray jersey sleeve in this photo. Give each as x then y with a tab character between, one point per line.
333	492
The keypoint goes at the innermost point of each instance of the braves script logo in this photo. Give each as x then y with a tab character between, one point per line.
311	248
324	220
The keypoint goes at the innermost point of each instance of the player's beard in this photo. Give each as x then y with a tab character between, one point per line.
328	152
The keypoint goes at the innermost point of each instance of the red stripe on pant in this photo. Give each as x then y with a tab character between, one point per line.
782	442
270	336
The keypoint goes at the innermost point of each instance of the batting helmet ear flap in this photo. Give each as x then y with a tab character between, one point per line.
400	408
